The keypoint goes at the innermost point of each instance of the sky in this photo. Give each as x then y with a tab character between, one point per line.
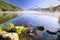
27	4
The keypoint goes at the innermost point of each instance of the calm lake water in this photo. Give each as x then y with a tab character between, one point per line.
50	23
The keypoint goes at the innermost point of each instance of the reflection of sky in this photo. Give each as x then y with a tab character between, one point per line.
31	3
49	23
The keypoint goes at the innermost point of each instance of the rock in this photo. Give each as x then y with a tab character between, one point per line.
51	32
31	34
12	30
41	28
8	36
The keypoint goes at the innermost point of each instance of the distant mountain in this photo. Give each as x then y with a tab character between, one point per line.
8	7
57	8
51	9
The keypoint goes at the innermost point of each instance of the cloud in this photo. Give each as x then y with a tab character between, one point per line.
48	3
26	4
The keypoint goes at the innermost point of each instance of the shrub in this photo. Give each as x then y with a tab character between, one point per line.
10	26
20	30
0	30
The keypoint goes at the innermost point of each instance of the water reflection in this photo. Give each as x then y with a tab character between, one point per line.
49	23
46	21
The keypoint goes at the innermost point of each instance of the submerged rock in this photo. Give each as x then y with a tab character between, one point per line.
41	28
51	32
8	36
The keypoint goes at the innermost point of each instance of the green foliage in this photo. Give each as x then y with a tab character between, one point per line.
0	10
7	7
4	17
10	26
1	30
20	30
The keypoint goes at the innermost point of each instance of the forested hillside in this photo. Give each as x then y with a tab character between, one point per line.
4	17
8	7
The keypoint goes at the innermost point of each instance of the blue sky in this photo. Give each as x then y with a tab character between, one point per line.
26	4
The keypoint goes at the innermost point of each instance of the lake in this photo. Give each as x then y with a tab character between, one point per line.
49	23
